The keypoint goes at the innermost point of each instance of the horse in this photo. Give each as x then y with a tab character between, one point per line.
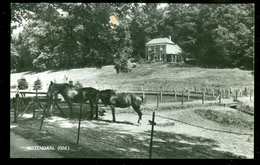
73	94
121	100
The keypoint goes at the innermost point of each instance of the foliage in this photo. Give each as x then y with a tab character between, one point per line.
121	63
74	35
37	84
78	84
22	83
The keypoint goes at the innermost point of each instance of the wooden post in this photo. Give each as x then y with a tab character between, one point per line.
224	93
220	95
236	94
183	94
151	142
203	96
245	91
212	93
157	99
182	97
174	95
161	96
195	89
228	93
188	95
250	94
79	122
44	112
16	108
34	108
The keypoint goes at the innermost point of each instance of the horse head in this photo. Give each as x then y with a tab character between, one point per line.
52	89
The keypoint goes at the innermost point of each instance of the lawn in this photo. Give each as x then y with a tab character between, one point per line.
155	76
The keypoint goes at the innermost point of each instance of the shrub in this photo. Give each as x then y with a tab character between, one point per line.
78	84
13	86
22	83
37	84
122	66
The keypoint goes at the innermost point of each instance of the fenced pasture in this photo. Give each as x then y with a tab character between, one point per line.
170	112
192	114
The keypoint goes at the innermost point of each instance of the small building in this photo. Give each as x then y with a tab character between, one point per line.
163	49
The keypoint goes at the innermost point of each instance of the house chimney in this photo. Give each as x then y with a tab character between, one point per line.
170	38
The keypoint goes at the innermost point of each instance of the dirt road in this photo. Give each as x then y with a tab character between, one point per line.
22	148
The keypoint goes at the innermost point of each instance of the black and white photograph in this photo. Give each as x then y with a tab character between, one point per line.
132	80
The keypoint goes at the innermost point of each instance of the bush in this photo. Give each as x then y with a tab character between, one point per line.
22	84
78	84
37	84
122	66
13	86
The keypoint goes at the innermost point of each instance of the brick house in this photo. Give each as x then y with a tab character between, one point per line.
163	49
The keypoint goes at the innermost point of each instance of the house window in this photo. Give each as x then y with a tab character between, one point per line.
161	48
149	49
154	49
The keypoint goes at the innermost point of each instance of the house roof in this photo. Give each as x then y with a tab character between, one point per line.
173	49
159	41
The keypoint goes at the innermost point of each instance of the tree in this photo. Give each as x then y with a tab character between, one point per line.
37	84
22	83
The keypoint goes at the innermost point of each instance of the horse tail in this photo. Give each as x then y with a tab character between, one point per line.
97	95
142	98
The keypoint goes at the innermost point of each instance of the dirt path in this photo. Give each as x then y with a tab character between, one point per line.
173	137
21	148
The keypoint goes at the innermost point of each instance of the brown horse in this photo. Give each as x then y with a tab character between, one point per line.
73	94
122	100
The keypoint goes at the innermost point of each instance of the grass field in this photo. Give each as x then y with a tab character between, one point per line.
155	76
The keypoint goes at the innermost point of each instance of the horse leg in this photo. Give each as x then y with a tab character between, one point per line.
113	112
96	109
70	107
137	110
91	107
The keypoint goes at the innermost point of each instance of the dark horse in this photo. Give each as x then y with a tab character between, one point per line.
122	100
73	94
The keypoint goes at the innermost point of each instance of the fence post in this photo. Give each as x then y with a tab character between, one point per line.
228	93
188	94
174	95
245	91
224	93
203	96
157	99
35	99
182	99
151	142
16	108
236	94
220	95
212	93
79	122
161	96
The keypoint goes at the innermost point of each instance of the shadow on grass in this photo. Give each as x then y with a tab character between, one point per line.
118	142
171	146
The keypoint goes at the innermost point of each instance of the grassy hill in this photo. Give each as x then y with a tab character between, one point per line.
155	76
